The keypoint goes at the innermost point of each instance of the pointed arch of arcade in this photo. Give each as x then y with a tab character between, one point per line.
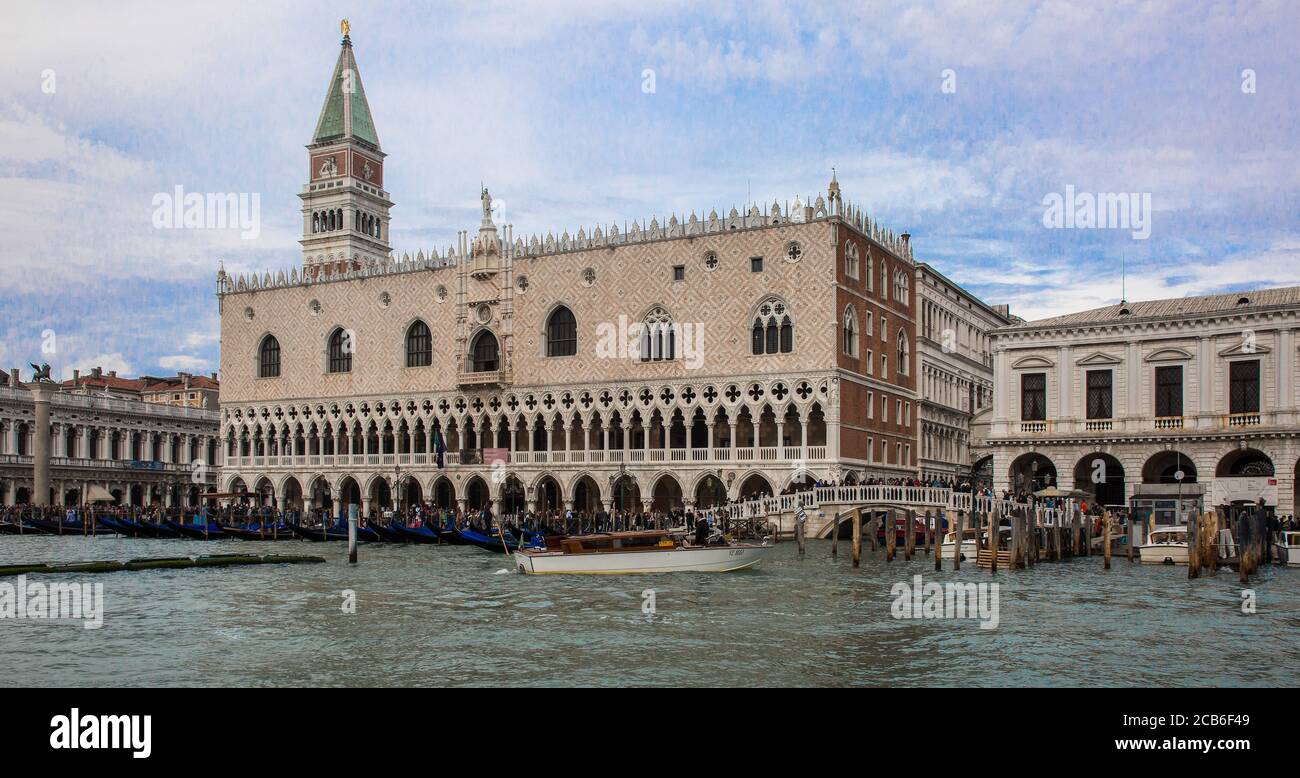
625	493
290	489
264	491
803	479
548	494
379	491
442	492
477	493
409	492
1163	466
513	498
666	493
754	484
584	490
709	491
1101	475
320	493
347	492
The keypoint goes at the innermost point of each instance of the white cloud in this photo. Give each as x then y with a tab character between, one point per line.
184	362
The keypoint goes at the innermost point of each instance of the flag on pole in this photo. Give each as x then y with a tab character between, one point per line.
439	448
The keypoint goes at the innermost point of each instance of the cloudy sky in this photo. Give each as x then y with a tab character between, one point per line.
953	121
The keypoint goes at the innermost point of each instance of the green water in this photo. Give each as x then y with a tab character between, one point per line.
428	615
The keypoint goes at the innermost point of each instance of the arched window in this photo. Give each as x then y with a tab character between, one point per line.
901	287
419	345
850	332
340	351
268	358
851	260
866	268
484	354
658	337
904	353
773	331
561	333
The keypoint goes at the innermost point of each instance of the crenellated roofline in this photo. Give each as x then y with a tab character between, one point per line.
774	216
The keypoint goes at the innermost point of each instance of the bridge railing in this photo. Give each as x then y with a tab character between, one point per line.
920	497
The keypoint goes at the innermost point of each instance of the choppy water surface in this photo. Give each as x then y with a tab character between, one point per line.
429	615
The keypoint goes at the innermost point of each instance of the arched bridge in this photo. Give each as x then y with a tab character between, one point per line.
820	505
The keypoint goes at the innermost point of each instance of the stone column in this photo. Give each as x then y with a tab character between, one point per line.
41	394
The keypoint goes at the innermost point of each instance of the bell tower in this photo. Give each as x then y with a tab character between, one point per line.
344	204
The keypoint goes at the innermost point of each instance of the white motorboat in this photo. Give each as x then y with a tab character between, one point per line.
652	551
1166	545
1287	548
969	544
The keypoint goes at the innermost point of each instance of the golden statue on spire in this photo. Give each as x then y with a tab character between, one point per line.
345	28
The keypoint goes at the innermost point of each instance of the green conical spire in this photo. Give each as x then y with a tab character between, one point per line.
346	113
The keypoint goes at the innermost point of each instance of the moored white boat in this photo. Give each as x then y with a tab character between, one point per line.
1287	548
969	544
637	552
1166	545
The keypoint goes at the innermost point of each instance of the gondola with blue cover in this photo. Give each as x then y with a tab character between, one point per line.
336	531
205	531
495	542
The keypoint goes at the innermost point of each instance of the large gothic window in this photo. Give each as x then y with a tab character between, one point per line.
851	260
484	354
340	351
419	345
561	333
658	337
268	358
773	330
904	354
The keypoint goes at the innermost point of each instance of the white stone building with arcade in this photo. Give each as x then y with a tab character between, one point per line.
1148	401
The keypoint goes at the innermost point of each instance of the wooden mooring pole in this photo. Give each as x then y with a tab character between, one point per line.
956	549
1193	546
1013	546
891	535
909	539
995	522
835	538
938	539
929	532
857	537
799	534
1105	540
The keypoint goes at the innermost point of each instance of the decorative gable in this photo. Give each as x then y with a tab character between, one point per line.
1244	348
1098	359
1168	355
1030	362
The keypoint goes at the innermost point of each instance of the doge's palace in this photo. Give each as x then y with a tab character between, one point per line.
656	365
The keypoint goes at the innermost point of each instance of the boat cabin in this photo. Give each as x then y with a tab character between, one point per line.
1167	536
607	542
